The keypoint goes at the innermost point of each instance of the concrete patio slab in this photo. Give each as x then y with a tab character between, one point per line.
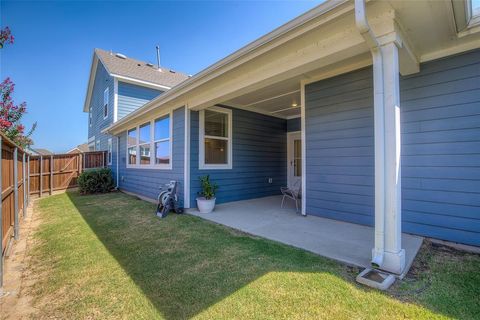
341	241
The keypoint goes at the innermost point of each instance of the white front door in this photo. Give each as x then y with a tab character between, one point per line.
294	158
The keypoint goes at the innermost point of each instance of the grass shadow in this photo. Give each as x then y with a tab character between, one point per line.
187	267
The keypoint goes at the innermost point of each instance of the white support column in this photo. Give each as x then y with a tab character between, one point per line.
304	148
186	160
394	256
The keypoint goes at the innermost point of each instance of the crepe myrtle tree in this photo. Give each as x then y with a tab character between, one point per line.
10	113
6	37
11	116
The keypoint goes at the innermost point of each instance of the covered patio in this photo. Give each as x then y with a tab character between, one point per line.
341	241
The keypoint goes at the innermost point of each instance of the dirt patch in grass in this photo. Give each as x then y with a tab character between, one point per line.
445	278
17	303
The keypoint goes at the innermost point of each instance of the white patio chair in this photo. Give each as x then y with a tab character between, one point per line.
294	193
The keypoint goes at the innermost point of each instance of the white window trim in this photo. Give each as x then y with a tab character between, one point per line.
108	102
115	100
109	152
90	120
152	164
201	158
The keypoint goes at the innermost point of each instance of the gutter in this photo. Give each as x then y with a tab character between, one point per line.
379	124
196	80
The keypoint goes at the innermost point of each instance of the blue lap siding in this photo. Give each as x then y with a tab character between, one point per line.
102	81
440	125
339	143
440	110
147	182
294	125
259	153
131	97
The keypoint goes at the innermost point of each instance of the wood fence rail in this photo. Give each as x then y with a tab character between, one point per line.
23	175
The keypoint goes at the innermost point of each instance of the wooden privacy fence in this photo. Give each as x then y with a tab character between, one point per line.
60	171
23	175
13	182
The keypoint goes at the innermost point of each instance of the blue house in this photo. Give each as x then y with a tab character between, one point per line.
117	86
373	109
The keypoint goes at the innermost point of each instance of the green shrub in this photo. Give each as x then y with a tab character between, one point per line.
96	181
208	188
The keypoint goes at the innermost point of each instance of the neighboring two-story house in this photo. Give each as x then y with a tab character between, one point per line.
117	86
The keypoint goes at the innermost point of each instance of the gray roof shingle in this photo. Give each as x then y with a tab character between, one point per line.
140	70
43	152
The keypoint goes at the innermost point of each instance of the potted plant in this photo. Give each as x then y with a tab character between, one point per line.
206	199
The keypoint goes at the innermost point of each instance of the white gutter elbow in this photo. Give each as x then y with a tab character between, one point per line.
363	27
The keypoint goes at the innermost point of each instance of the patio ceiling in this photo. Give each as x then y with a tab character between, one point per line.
283	99
280	100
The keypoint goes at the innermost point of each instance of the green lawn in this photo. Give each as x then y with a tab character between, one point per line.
109	257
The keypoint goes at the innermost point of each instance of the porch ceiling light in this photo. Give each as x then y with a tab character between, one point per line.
294	104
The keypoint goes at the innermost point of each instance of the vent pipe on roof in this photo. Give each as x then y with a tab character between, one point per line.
158	57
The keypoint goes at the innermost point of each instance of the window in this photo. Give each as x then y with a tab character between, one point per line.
90	116
132	146
215	138
97	145
475	8
467	16
105	103
109	153
144	143
153	144
162	140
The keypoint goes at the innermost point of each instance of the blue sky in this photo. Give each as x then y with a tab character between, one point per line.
54	41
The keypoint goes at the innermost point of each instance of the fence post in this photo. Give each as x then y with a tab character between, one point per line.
41	176
1	220
51	174
28	180
15	192
24	187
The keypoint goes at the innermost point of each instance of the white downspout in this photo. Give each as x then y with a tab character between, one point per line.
379	126
118	156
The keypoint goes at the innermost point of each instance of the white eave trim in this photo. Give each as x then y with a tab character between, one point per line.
91	80
139	82
244	54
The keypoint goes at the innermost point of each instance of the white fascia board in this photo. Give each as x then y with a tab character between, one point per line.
91	80
288	31
139	82
454	49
